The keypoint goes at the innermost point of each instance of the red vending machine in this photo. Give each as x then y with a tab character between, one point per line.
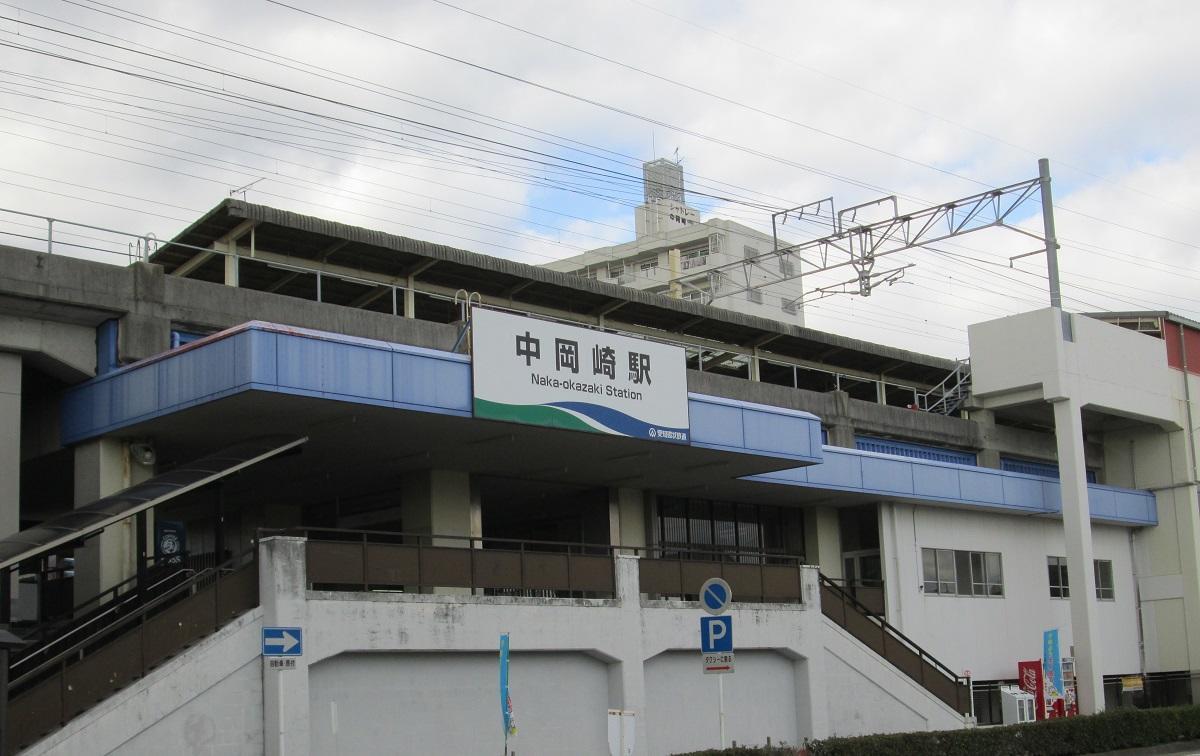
1031	680
1029	674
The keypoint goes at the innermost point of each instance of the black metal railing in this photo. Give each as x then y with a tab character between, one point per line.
869	593
894	646
97	612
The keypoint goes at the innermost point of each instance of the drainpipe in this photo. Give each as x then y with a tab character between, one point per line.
1187	403
1137	603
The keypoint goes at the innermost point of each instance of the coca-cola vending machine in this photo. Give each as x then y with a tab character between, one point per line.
1032	680
1029	677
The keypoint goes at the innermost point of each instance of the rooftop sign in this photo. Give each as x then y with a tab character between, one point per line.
539	372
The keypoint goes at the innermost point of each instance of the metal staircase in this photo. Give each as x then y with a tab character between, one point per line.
946	397
894	646
76	664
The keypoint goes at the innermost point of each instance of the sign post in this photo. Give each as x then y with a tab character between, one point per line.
716	639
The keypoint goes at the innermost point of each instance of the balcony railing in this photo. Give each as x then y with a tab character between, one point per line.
753	576
422	563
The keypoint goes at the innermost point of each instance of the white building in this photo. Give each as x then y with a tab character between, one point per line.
677	254
278	372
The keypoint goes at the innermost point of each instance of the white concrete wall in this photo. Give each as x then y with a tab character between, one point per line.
417	674
1020	358
205	702
683	707
401	670
990	635
425	703
866	695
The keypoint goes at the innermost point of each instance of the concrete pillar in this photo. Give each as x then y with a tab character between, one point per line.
823	540
441	502
627	679
282	580
988	455
410	298
842	435
10	444
627	517
231	263
1077	523
104	467
900	556
812	709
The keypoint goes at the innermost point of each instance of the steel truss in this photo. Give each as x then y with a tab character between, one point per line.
859	245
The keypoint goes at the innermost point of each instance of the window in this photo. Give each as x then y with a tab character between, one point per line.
649	265
615	270
702	529
1060	586
962	573
1104	580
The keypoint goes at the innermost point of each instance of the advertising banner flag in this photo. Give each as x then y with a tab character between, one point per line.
1052	665
506	710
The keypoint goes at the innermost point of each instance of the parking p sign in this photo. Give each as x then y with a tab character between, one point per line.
716	644
716	635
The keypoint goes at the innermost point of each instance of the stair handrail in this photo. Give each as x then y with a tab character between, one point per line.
961	375
891	629
119	602
229	565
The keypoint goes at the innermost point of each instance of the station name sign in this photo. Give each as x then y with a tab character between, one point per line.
540	372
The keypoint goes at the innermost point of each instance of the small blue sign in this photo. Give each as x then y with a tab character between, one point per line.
282	641
716	635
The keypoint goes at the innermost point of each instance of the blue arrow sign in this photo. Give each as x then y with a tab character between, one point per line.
282	641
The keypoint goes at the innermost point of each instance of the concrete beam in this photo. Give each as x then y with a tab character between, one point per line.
193	264
72	347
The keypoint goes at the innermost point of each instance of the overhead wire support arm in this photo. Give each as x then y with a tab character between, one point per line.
859	245
888	277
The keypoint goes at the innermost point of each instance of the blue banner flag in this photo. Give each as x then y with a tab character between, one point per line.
506	711
1052	665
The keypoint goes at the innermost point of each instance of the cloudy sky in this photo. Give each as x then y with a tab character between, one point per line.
517	129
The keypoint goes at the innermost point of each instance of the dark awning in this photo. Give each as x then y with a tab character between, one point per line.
98	515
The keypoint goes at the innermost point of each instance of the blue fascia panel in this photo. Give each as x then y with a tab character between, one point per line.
733	425
264	357
963	486
299	362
